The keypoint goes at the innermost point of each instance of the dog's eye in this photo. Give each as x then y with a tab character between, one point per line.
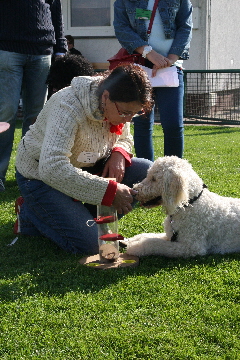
153	178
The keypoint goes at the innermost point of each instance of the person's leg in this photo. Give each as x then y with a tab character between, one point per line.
34	88
136	172
143	130
170	105
57	217
11	72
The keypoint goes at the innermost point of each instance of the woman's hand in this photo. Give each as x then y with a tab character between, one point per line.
166	61
159	61
115	167
123	199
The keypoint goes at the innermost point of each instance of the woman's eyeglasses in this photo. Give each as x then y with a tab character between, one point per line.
125	113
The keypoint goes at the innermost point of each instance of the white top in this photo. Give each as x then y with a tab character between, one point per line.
157	37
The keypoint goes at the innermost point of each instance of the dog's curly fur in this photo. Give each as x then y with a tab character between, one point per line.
203	222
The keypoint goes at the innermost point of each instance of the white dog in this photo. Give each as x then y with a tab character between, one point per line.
199	222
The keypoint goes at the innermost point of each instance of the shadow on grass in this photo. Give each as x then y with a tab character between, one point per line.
34	265
11	184
11	193
213	130
209	130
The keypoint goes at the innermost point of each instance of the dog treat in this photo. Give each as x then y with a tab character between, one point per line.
107	222
108	253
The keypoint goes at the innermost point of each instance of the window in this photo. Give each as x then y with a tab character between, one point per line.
89	17
90	13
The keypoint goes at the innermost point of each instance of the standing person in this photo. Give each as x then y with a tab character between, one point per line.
167	45
81	138
29	33
70	44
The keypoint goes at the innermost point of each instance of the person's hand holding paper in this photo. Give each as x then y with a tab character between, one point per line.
166	77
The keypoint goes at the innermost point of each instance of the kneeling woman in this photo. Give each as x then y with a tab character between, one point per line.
79	140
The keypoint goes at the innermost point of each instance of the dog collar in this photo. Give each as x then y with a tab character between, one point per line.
191	201
196	197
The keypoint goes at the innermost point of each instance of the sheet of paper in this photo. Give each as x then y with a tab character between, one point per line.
166	77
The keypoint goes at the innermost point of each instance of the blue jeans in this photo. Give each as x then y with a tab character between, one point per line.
26	75
51	213
170	105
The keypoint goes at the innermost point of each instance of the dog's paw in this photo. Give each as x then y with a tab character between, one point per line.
136	245
146	244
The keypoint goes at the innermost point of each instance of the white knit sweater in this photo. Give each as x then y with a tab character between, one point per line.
69	124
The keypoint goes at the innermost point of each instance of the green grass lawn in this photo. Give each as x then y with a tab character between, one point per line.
53	308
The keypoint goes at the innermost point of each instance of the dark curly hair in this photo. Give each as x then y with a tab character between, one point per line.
126	83
65	68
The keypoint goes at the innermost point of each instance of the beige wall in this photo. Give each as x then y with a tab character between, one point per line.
225	34
97	49
216	42
197	60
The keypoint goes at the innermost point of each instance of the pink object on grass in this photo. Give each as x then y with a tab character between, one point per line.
4	126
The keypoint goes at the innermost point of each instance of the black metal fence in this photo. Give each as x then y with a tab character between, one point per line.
212	96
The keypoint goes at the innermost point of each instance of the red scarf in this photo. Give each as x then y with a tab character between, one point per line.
117	129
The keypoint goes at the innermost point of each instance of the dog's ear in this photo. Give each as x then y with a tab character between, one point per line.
175	190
